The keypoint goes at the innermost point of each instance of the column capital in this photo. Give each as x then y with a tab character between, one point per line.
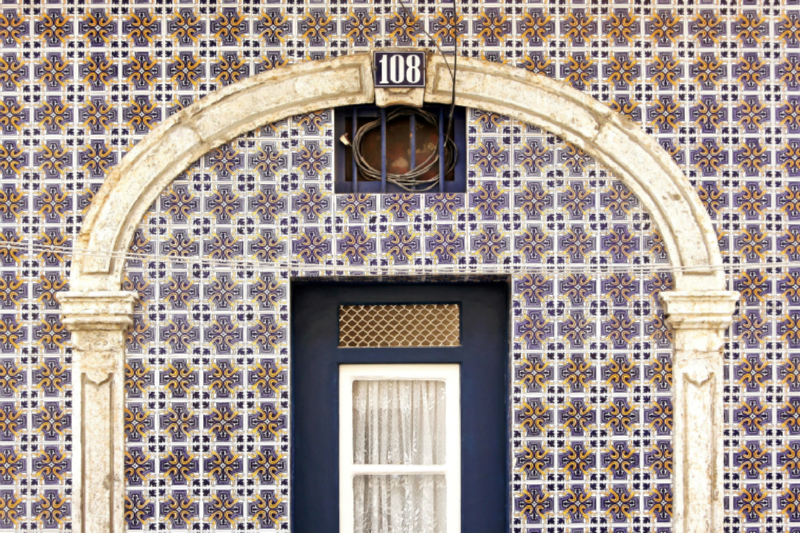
699	309
97	310
699	319
97	322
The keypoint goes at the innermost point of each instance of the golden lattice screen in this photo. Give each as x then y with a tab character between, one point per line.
399	326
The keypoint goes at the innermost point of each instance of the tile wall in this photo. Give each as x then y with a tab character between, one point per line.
718	84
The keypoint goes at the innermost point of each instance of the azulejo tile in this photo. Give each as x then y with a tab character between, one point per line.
716	85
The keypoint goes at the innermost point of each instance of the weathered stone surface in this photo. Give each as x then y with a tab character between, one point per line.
98	322
698	320
98	313
623	147
408	97
156	161
172	146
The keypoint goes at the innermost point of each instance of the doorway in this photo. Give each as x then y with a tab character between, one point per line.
403	347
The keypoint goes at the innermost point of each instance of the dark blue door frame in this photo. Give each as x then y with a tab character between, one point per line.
483	357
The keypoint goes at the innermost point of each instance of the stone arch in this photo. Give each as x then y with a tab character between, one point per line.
633	157
97	312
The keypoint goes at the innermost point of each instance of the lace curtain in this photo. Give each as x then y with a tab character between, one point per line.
399	422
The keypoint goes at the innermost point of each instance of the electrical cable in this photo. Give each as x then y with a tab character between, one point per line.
428	267
435	42
413	180
454	71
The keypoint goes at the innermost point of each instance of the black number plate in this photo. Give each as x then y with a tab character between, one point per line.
399	69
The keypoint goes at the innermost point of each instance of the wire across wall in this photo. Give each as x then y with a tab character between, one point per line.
427	264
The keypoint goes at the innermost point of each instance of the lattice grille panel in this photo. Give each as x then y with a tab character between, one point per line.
399	326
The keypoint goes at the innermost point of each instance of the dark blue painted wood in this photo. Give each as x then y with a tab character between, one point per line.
483	357
459	184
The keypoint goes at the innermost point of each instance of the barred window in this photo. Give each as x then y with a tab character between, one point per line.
396	149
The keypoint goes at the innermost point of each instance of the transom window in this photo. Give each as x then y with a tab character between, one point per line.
396	149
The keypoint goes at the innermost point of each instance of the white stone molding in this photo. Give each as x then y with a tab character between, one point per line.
97	322
408	97
98	313
633	157
698	321
132	186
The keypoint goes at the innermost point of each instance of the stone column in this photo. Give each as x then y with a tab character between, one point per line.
98	322
698	320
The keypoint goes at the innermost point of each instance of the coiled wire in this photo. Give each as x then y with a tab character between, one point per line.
412	180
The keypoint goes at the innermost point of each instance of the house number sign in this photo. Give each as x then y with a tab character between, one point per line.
399	69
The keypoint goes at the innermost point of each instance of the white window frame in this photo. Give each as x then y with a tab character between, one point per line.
451	469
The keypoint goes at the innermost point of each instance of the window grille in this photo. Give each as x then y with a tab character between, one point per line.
399	326
400	142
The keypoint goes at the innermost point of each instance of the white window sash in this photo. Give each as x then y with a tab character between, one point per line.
451	469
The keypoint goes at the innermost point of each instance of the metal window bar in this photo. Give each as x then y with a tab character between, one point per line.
441	149
413	127
353	114
412	121
355	166
383	150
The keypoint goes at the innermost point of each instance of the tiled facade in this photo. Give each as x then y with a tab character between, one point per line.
209	354
207	415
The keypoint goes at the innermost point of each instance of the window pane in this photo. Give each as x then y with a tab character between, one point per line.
400	504
399	422
398	326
